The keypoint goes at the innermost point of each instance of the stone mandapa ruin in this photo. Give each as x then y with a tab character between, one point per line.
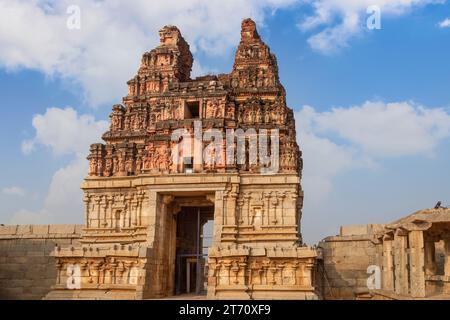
161	222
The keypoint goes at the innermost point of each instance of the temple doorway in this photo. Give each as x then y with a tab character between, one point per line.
194	234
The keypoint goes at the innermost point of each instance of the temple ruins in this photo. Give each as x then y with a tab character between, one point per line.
196	190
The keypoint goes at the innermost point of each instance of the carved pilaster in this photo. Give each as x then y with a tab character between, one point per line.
401	262
388	264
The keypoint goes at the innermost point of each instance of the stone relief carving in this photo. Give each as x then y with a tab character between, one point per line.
98	271
114	211
262	271
258	209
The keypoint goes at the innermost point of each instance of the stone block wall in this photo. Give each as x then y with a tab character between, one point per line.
346	257
27	271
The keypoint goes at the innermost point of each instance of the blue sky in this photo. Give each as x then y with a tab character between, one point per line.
372	106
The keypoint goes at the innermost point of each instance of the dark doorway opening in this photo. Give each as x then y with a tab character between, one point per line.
194	237
188	164
192	110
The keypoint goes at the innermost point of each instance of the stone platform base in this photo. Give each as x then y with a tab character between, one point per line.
265	295
60	294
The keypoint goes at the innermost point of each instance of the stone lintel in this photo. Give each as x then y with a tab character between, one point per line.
183	180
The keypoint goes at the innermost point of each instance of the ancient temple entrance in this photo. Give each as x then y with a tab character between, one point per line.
194	237
147	204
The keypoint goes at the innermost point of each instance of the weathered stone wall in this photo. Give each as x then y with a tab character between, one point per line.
27	271
346	258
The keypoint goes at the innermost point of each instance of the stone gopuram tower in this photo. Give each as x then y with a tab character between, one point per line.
167	214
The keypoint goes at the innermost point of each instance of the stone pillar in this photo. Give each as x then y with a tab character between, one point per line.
273	208
240	211
175	210
165	245
388	272
447	256
104	207
281	197
231	208
308	274
218	218
225	208
162	224
128	211
134	211
151	218
97	216
86	200
109	212
266	199
430	259
247	199
141	206
401	261
417	264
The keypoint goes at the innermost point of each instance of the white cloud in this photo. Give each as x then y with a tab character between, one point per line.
323	158
101	56
445	23
65	132
13	191
358	137
64	200
339	21
106	51
359	141
200	70
387	129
